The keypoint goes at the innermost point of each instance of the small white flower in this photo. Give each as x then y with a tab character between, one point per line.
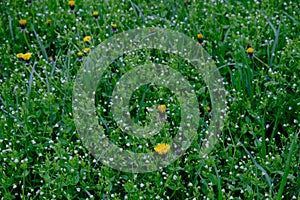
174	177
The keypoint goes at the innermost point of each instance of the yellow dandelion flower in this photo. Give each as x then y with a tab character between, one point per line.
162	108
199	36
27	56
113	28
87	39
162	149
48	21
250	50
71	3
23	23
86	50
79	53
20	55
95	13
207	108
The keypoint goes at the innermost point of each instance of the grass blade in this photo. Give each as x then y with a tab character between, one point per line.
276	33
220	196
30	85
287	167
40	43
11	29
292	18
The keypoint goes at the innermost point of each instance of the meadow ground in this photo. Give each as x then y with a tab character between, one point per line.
255	46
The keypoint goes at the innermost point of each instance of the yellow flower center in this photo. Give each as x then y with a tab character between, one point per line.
49	21
86	50
95	14
114	26
79	53
22	22
71	3
250	50
207	108
162	148
87	38
199	36
20	55
162	108
27	56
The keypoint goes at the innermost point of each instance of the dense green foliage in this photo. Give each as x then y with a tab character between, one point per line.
257	154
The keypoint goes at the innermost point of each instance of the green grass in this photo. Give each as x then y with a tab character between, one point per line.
257	154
